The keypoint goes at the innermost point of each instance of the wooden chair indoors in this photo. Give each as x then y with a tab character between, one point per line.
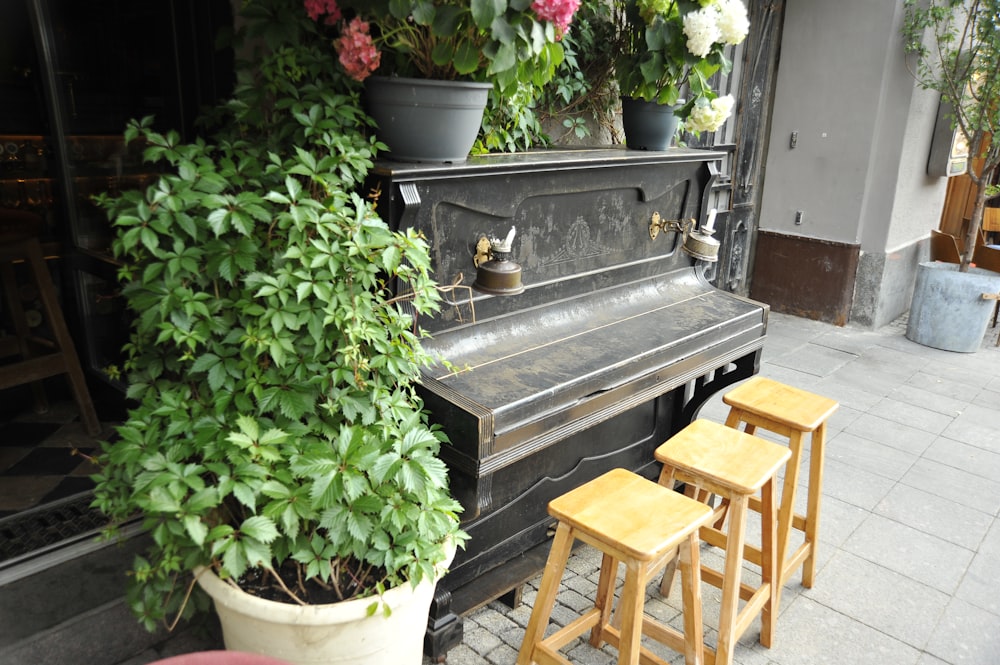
948	248
945	247
989	258
40	358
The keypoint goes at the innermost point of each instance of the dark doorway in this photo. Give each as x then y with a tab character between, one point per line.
71	75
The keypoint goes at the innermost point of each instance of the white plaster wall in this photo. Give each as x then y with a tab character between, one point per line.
858	171
918	198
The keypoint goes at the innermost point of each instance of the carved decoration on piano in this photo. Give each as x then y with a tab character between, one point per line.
579	243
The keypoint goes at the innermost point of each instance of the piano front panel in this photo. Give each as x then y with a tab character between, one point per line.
573	234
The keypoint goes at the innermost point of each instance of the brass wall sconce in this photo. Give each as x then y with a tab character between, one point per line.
697	243
496	273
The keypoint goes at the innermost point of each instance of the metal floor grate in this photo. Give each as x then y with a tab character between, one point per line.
48	525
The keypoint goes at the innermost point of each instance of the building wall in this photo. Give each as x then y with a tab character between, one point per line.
845	211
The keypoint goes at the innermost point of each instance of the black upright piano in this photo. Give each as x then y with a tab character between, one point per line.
613	345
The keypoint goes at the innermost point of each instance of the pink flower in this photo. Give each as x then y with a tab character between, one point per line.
357	51
316	8
559	12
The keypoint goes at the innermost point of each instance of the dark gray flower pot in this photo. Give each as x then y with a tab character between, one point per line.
648	125
424	120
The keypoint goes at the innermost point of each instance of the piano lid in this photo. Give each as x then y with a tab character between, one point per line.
534	376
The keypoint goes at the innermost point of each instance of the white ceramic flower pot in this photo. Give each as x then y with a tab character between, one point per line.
335	633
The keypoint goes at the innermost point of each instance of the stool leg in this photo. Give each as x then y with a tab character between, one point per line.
786	509
633	595
817	453
555	565
670	571
734	419
604	599
690	563
770	564
730	603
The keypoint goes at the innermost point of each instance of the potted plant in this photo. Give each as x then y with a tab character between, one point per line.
433	56
276	448
581	100
666	48
955	46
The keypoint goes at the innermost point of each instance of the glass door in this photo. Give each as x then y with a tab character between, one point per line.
77	72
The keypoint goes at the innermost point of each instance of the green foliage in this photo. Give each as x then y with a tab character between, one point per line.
510	123
652	57
505	43
581	89
272	360
584	87
956	49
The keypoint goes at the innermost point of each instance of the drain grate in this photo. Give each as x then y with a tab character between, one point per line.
48	524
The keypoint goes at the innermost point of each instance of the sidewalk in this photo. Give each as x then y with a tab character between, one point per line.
910	540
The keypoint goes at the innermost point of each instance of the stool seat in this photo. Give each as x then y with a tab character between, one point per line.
712	458
637	522
615	509
784	405
763	403
720	459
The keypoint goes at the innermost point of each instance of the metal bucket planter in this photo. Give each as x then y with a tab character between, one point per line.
948	310
648	125
425	120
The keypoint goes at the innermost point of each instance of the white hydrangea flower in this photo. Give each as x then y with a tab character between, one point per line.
709	117
733	22
702	30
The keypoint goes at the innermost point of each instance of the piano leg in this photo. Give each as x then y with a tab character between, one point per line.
444	627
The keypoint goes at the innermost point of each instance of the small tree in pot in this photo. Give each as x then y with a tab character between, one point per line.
276	439
957	48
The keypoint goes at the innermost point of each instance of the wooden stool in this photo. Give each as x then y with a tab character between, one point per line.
717	459
635	521
19	245
762	403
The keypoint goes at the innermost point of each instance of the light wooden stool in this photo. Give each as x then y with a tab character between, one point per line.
763	403
635	521
715	459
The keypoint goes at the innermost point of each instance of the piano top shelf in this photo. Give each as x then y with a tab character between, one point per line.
543	160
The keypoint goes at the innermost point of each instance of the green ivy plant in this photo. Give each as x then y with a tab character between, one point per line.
583	93
275	432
